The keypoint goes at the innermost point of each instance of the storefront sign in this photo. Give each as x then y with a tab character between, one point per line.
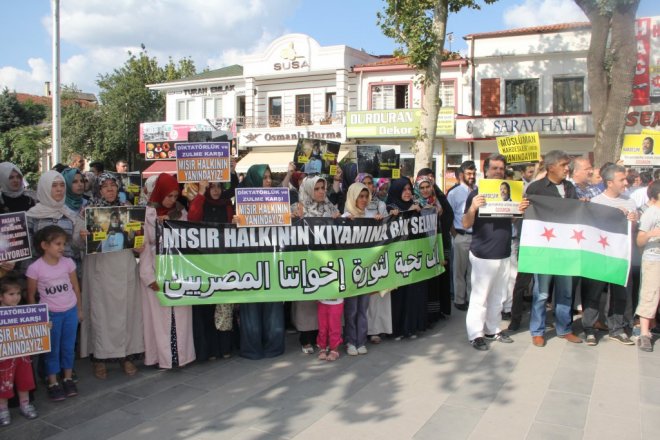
395	123
202	91
273	136
641	117
291	60
484	128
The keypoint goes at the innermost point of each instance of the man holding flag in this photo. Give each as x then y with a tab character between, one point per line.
554	184
614	178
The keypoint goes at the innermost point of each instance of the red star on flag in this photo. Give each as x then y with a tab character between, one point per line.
603	241
578	235
547	233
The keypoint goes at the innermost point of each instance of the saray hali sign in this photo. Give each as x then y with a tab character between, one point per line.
314	258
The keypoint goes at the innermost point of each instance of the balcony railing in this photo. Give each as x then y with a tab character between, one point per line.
292	120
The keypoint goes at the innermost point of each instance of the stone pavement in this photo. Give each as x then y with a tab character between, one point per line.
436	386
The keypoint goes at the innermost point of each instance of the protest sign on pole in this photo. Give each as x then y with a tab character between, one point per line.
316	156
262	207
520	148
14	237
114	228
641	150
197	161
502	197
24	330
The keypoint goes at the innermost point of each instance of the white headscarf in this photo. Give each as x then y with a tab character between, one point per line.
47	207
312	208
5	170
354	192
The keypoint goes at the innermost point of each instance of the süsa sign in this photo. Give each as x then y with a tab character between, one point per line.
291	65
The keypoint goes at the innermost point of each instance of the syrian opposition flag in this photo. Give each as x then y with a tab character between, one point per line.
570	237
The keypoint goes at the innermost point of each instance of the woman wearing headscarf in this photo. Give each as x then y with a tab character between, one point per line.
409	301
168	334
428	194
111	299
261	324
52	210
313	202
212	323
379	310
75	202
358	200
14	196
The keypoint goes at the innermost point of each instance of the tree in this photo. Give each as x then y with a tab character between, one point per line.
611	69
126	102
25	146
419	26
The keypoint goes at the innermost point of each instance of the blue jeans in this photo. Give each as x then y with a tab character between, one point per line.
62	340
563	304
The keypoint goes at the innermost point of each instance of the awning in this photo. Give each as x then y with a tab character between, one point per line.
278	161
159	167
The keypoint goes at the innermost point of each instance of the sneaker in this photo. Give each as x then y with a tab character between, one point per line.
479	344
499	337
56	393
591	340
5	417
622	338
70	388
308	349
351	350
398	338
645	343
362	350
29	411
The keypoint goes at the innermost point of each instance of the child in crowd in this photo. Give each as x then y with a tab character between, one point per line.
329	313
54	277
15	371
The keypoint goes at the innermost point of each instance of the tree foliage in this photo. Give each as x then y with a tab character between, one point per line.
611	69
14	114
125	102
419	27
25	146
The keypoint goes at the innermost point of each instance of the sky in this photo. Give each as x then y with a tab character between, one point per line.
96	35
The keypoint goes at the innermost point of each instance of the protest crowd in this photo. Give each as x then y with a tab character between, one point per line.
103	305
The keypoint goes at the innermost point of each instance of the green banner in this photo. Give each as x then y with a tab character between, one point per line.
314	258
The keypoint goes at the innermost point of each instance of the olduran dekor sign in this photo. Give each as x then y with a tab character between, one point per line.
395	123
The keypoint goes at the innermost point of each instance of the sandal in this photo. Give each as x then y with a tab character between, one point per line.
129	368
323	355
375	339
99	370
333	355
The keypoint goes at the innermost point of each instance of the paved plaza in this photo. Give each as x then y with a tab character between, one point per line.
434	387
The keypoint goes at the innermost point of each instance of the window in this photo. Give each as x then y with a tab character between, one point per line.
389	96
522	96
303	109
275	111
240	106
447	94
212	108
568	95
183	108
331	104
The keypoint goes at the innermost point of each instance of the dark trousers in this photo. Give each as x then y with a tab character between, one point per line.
262	330
355	320
592	290
521	286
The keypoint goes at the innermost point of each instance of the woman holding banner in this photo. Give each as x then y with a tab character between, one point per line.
409	301
313	203
168	336
261	324
111	300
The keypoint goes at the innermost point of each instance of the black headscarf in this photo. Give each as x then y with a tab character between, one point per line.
394	200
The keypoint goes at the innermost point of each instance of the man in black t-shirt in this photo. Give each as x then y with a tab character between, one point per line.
490	251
